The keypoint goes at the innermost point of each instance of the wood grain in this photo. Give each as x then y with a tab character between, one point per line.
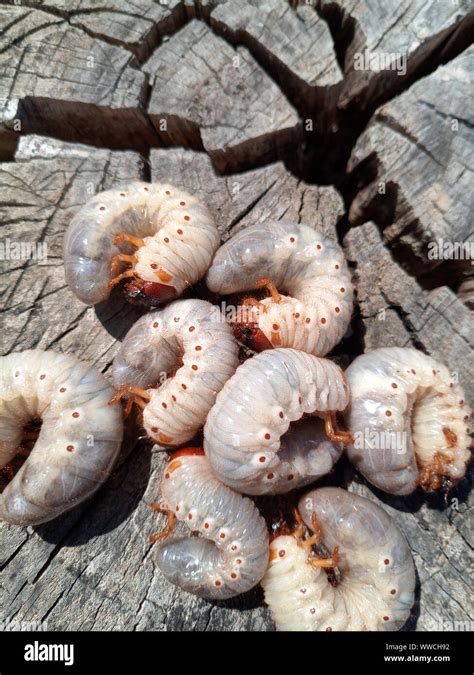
85	88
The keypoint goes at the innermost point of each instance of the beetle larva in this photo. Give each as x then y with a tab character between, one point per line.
169	239
242	436
376	574
409	421
78	442
294	259
231	555
189	338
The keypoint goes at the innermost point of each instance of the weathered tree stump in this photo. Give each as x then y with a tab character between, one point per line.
259	109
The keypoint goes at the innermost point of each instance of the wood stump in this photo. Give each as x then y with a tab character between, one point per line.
259	108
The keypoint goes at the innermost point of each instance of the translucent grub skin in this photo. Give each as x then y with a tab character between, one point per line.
158	238
377	575
409	420
311	299
78	442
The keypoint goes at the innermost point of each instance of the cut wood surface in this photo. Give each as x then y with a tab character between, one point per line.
216	99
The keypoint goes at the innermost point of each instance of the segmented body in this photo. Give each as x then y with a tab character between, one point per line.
79	438
408	419
376	591
179	239
300	261
231	554
188	350
243	432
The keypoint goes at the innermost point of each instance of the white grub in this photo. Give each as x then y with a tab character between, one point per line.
231	554
409	421
377	574
244	430
175	360
312	294
167	236
78	442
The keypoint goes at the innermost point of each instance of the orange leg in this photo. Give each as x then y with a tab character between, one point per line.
121	257
138	396
334	434
124	275
317	536
129	239
326	563
268	283
169	527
